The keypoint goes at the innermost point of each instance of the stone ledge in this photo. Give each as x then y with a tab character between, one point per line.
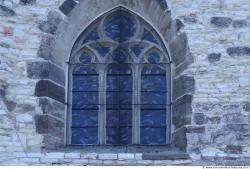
46	88
46	70
165	156
67	6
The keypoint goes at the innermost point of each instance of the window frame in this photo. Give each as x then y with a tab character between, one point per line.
136	76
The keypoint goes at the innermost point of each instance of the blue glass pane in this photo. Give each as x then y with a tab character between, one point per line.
79	99
119	136
153	98
120	27
120	55
153	83
154	57
153	136
119	98
148	36
119	70
85	83
85	70
102	50
151	69
84	118
119	83
85	58
119	117
153	118
92	36
84	135
137	50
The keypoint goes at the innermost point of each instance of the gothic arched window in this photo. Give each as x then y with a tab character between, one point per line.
119	84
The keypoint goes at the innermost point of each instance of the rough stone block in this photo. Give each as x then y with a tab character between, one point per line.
72	155
247	107
95	162
91	156
126	156
24	118
145	162
52	107
179	48
179	139
182	111
190	19
6	11
107	156
238	51
214	57
46	70
221	22
200	118
195	129
165	156
57	155
45	48
46	88
239	23
233	149
67	6
183	85
27	2
46	124
51	25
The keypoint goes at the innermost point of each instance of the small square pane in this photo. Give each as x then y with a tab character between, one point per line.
84	136
153	98
153	136
153	118
84	118
85	83
153	83
119	117
119	136
80	99
119	98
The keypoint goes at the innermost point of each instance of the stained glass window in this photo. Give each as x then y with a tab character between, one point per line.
119	83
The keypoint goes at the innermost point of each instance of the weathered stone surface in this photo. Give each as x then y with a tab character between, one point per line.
239	23
49	89
179	48
67	6
183	85
243	128
195	129
24	118
233	149
179	139
55	155
45	48
46	124
163	3
190	19
46	70
221	22
165	156
179	25
238	51
5	11
91	156
72	155
50	26
200	118
182	111
214	57
27	2
247	107
126	156
107	156
11	105
52	107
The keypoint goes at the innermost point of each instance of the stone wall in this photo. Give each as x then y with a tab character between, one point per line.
218	32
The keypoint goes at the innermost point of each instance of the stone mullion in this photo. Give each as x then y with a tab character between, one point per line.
136	108
102	106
